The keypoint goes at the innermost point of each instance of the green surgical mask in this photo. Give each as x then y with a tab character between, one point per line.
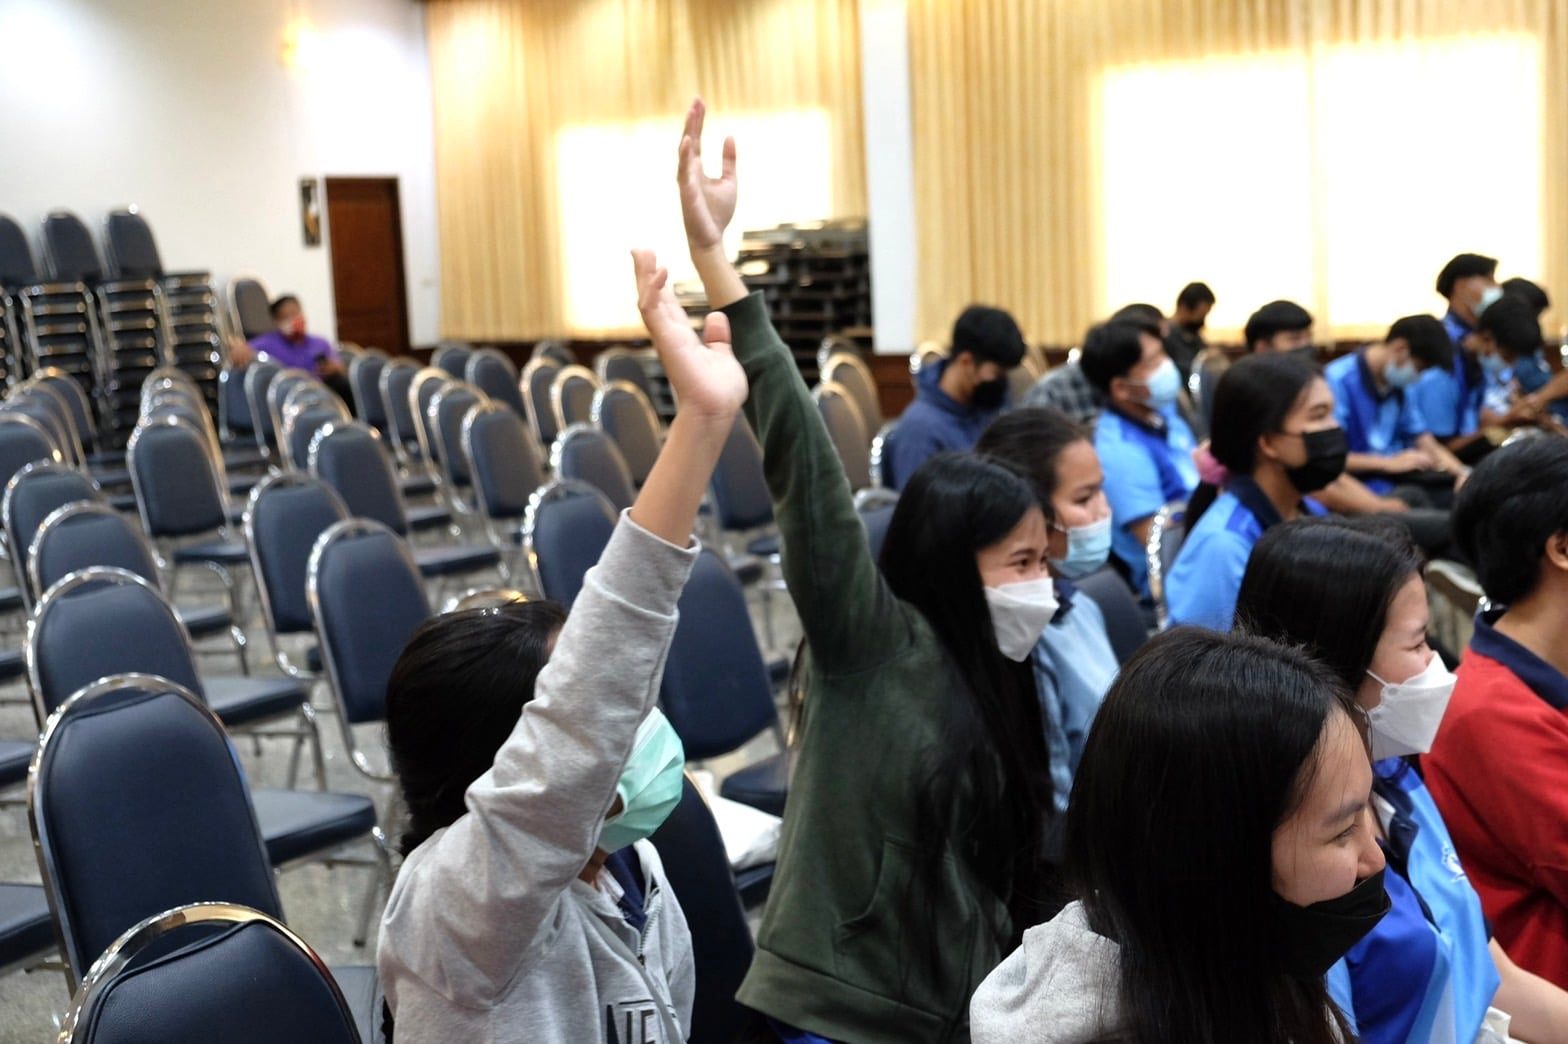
650	785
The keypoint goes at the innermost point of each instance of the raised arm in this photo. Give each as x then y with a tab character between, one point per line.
484	891
849	615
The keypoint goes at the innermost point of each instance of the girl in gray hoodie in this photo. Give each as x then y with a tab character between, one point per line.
530	907
1222	855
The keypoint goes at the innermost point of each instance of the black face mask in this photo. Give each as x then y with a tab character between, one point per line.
1326	453
1311	938
989	395
1193	328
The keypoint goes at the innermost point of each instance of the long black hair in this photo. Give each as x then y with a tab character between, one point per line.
1326	584
1252	399
986	791
1030	439
1184	779
454	697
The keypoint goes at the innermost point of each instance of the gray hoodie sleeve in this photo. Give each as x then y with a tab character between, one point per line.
474	899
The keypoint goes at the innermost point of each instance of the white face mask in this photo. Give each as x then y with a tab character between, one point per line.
1406	721
1020	613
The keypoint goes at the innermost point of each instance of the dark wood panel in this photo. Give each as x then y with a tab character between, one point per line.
364	221
895	386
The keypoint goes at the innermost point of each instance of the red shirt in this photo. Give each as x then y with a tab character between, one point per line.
1498	771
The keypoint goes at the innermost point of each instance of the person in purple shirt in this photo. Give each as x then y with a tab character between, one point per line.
290	344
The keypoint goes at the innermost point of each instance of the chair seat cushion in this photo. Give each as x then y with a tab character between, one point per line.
227	552
444	561
11	664
122	501
298	823
15	756
763	785
25	928
205	620
764	546
362	994
239	700
242	455
754	883
106	458
10	599
242	484
111	476
428	516
417	485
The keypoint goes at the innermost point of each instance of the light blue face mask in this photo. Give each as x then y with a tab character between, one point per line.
1087	549
650	785
1400	375
1164	386
1494	365
1489	297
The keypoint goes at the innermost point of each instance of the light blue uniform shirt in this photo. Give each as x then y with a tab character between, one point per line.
1145	469
1074	666
1376	422
1435	394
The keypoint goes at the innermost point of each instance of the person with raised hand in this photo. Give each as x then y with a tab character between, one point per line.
910	860
534	764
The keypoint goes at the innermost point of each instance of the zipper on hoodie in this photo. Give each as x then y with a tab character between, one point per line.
652	912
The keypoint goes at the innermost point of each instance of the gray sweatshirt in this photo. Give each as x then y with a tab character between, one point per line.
488	934
1058	987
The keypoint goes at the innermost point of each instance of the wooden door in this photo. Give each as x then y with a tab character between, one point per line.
365	230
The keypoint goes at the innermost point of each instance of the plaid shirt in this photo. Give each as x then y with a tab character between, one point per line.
1067	389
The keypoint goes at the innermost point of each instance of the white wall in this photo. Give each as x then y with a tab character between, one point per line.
890	171
190	109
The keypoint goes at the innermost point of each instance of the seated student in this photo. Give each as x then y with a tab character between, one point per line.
911	857
1185	339
1144	445
1507	334
1351	594
1498	769
1469	283
1385	429
534	764
1276	439
1221	854
959	396
292	345
1279	326
1073	660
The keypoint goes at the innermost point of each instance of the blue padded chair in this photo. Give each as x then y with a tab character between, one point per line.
364	379
301	422
492	372
741	500
353	459
259	376
571	396
586	454
34	493
233	406
75	396
285	516
1124	619
849	371
402	432
848	431
421	389
504	463
182	499
453	358
250	308
444	424
278	391
876	520
22	441
624	413
535	383
26	927
698	870
89	533
565	531
716	691
366	599
179	975
629	365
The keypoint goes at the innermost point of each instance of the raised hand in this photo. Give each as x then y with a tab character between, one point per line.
707	381
707	203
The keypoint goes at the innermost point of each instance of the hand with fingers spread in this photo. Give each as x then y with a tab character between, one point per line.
707	381
707	203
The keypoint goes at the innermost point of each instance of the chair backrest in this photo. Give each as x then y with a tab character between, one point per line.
259	377
587	454
854	376
33	494
492	372
1166	533
423	388
847	431
22	441
17	267
250	306
571	396
453	358
396	380
302	419
69	249
715	690
1208	366
285	516
1124	620
555	351
364	379
698	869
351	458
444	420
233	404
629	365
138	805
565	531
177	975
624	413
70	390
503	460
482	598
928	353
175	478
878	459
128	240
536	381
83	535
50	411
876	519
741	499
101	621
366	598
282	385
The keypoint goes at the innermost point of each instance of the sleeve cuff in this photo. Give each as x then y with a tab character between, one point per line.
643	569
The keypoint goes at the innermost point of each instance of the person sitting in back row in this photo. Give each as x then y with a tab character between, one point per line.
1143	443
958	397
1279	326
293	346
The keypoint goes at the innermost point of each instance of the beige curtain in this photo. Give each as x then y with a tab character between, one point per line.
508	75
1006	133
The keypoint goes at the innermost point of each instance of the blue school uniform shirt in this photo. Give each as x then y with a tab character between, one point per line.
1206	577
1436	395
1074	666
1466	417
1146	467
1380	422
933	423
1424	973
